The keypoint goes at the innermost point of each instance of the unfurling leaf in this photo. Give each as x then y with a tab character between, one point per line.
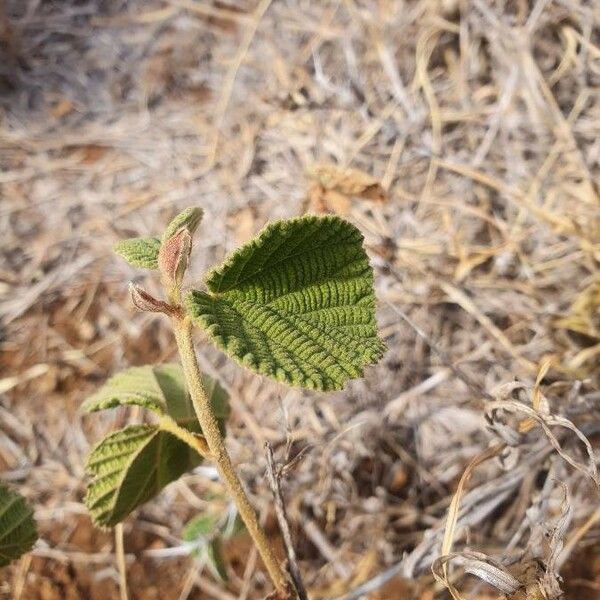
145	302
18	532
173	257
130	466
188	219
159	388
139	252
296	304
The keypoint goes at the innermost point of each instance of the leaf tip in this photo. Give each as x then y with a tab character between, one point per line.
188	219
138	252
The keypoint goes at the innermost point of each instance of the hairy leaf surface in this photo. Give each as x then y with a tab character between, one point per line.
17	527
189	218
296	303
200	527
139	252
206	533
130	466
159	388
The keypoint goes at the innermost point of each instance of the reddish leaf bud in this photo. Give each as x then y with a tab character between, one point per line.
145	302
173	257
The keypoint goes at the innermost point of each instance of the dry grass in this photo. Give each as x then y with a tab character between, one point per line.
481	120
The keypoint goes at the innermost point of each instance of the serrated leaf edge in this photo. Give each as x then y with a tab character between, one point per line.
27	544
125	471
120	245
213	282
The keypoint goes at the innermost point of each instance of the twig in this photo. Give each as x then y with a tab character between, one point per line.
576	538
274	474
322	544
453	513
210	428
227	87
120	553
21	577
373	584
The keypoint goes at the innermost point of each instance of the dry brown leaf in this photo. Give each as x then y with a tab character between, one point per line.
334	186
62	107
538	400
584	314
287	594
367	566
583	318
243	223
452	515
92	153
328	201
350	182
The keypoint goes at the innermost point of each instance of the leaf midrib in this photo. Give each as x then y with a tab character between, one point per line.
281	345
14	525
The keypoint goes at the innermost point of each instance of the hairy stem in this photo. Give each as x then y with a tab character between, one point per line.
120	552
210	428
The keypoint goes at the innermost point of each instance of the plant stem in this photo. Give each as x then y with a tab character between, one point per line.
210	429
120	552
198	443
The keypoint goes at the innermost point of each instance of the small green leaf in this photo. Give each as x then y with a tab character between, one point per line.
206	533
134	464
201	526
18	531
206	526
216	560
138	385
139	252
234	527
160	389
189	218
296	304
129	467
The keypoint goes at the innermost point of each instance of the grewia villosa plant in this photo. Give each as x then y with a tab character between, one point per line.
295	304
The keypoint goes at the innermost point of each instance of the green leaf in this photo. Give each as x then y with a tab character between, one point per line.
18	532
201	526
132	465
139	252
205	526
206	532
234	527
129	467
160	389
216	560
189	218
296	304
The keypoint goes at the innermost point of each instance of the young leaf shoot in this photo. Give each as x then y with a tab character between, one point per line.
296	304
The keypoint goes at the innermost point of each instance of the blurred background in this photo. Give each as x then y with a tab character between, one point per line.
461	136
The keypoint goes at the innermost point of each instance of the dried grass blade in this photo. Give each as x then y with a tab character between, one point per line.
453	509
